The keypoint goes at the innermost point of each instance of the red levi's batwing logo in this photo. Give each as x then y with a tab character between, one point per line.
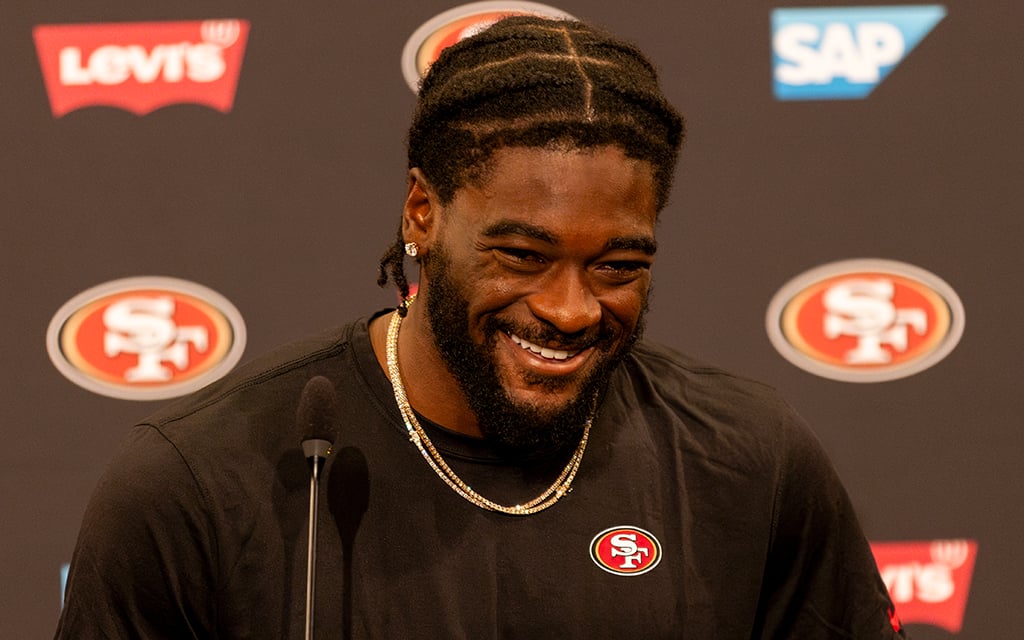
141	66
928	581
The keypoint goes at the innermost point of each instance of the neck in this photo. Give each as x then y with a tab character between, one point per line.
431	389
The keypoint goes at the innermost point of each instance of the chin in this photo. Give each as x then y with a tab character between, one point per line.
544	393
541	400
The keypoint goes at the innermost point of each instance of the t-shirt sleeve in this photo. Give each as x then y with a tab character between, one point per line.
143	560
821	579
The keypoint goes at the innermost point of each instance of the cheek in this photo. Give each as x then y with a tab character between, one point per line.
489	299
491	289
627	304
622	315
502	290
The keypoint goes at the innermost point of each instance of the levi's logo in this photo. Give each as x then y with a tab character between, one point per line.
141	66
928	581
625	551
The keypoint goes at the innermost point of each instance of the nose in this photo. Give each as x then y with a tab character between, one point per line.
566	302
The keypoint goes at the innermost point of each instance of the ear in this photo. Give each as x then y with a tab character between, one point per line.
422	211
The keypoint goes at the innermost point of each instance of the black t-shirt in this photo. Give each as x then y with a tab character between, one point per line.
703	508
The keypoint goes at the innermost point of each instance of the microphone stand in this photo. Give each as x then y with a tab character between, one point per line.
316	451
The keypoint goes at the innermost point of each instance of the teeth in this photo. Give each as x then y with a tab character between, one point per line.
544	352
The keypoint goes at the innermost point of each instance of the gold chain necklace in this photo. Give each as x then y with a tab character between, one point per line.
561	486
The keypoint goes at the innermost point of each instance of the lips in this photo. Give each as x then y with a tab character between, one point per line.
544	352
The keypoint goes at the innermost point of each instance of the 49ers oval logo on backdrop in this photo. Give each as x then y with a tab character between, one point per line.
146	338
625	551
865	320
445	29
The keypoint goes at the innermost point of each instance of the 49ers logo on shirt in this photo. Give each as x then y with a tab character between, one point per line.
146	338
141	66
865	320
928	581
625	551
445	29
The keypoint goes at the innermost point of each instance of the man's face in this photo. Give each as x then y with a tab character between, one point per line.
536	286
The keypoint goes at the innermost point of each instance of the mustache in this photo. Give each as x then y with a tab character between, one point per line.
601	336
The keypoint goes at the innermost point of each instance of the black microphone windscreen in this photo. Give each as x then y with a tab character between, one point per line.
317	416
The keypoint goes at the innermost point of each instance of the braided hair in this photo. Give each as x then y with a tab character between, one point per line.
528	81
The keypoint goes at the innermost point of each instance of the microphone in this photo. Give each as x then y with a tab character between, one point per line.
317	419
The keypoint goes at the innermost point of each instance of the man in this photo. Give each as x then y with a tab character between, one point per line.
514	462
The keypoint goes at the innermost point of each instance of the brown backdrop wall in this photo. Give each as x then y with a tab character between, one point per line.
284	204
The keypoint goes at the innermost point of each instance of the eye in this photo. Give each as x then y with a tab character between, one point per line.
623	271
520	259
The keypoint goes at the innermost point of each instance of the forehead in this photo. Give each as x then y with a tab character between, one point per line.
561	187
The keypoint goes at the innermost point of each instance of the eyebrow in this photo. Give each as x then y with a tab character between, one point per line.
646	244
643	243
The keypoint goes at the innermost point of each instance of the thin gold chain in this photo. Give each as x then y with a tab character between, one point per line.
561	486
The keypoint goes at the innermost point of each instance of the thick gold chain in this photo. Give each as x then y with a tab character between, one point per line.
561	486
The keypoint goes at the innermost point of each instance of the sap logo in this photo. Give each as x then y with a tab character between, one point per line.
843	53
64	569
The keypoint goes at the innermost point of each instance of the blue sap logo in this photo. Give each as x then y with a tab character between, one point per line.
843	52
64	568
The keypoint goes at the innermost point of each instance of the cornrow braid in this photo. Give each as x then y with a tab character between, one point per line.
529	81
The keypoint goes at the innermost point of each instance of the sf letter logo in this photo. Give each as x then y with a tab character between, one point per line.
866	320
864	310
624	545
145	327
145	338
625	551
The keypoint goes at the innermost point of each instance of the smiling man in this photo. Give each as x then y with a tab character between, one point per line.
514	461
534	287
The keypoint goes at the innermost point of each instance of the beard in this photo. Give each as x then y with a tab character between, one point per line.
514	426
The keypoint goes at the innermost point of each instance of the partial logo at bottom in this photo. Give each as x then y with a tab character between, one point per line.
445	29
625	551
928	580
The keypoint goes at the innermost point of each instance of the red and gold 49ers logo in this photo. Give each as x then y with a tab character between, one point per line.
865	320
146	338
445	29
626	551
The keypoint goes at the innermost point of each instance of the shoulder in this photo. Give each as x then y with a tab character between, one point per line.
266	373
265	391
707	410
231	438
227	447
656	372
